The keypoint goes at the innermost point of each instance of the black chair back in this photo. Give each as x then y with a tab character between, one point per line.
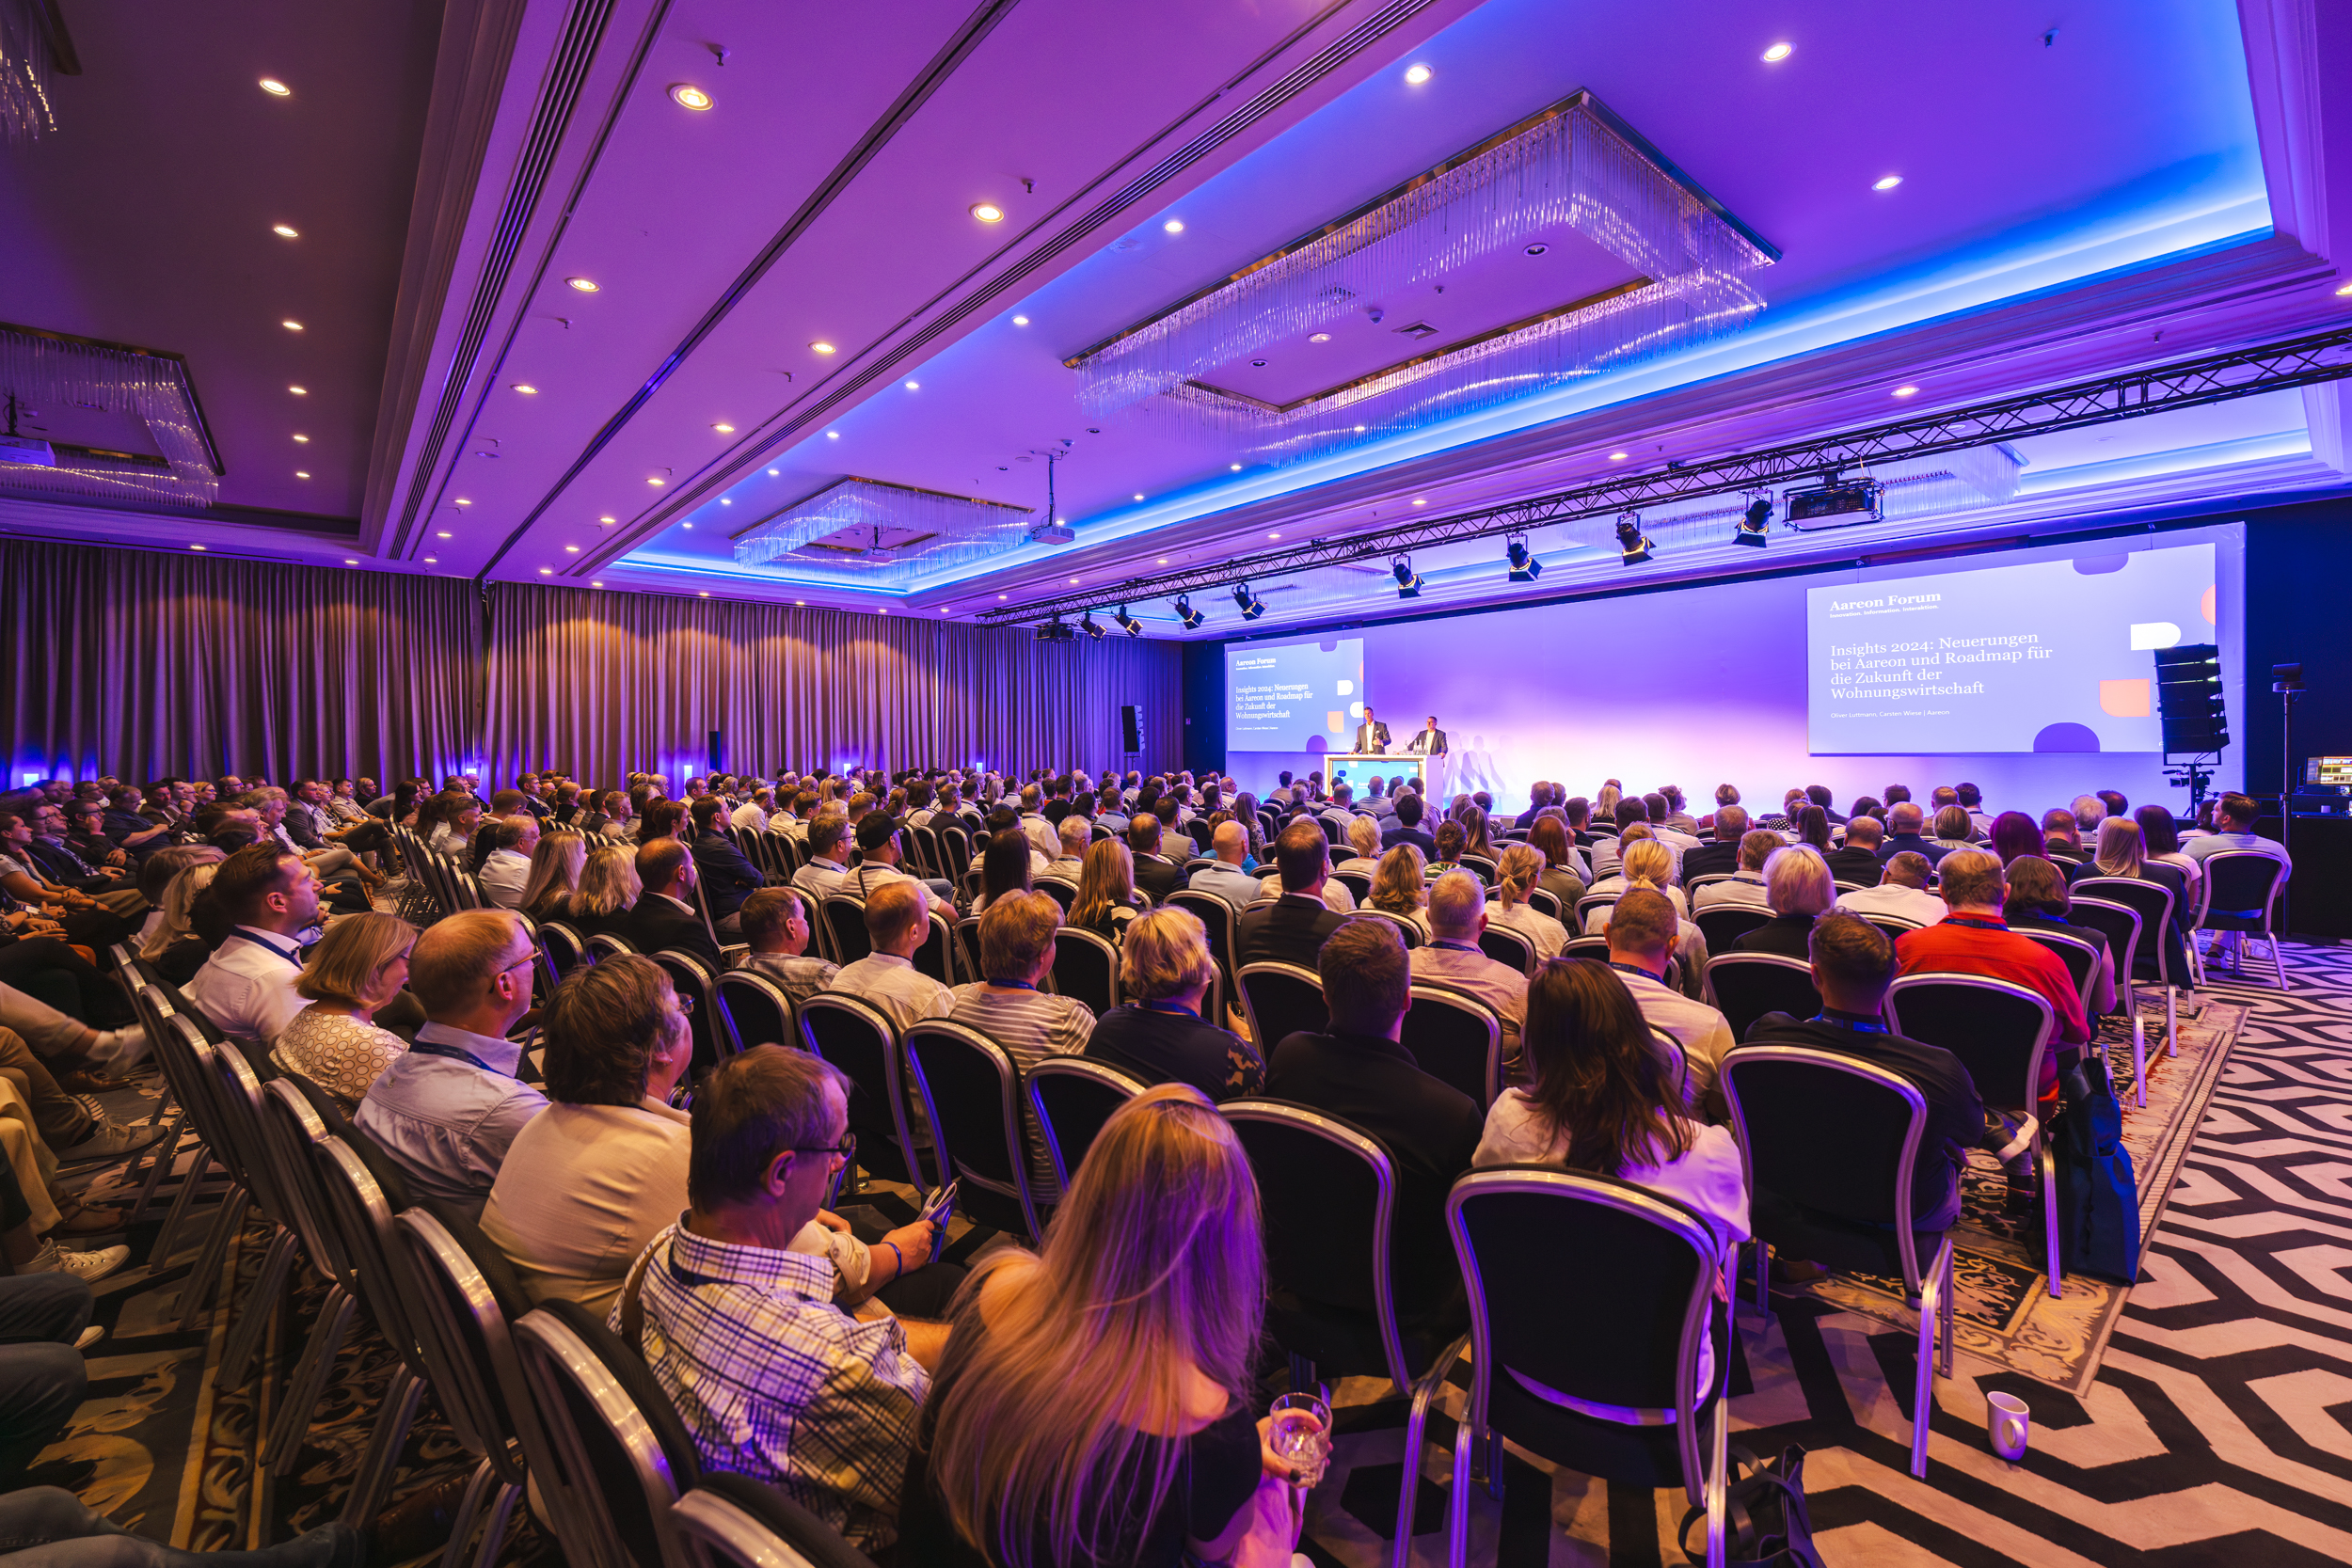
1723	925
2238	889
2153	903
844	922
1545	901
1281	999
957	844
971	1091
566	948
1595	948
968	945
707	1020
1072	1097
2078	954
1060	889
1216	916
463	1319
1407	931
1456	1039
604	945
1086	967
856	1036
1358	884
1483	868
926	851
1999	1030
1507	946
936	958
733	1521
1746	985
2118	923
1837	1139
757	1011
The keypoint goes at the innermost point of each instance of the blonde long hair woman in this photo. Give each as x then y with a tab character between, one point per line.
609	889
556	867
1107	891
1517	874
360	965
178	895
1401	888
1646	863
1094	1402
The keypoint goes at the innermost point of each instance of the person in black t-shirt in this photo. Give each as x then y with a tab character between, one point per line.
1159	1034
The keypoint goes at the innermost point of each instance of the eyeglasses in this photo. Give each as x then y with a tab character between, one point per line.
846	1148
685	1005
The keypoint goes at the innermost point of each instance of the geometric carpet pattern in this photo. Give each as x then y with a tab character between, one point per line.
2217	1430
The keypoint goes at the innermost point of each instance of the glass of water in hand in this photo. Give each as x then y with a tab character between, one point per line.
1300	1436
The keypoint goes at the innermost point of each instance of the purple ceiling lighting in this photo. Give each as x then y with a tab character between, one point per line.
883	535
1568	243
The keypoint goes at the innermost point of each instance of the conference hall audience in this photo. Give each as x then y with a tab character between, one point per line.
725	875
1456	918
1746	884
1010	1008
898	923
1161	1033
1518	875
270	897
505	873
1974	938
776	924
360	966
446	1110
1798	890
1291	928
1224	876
1858	860
1902	896
1358	1071
1643	933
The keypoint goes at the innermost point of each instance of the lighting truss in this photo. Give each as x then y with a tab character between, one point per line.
2103	400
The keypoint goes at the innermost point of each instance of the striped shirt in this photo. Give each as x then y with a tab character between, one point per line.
775	1382
904	994
1031	1026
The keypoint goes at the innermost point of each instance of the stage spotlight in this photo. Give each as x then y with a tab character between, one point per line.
1127	623
1251	606
1755	524
1189	617
1057	631
1092	627
1524	566
1407	581
1633	543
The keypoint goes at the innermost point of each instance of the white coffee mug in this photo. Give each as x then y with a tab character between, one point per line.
2007	1423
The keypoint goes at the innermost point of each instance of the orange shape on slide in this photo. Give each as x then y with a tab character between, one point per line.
1337	719
2123	699
2204	604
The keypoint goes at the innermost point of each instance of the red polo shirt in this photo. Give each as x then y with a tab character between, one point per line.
1979	944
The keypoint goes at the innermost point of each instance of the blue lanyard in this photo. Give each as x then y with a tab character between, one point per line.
1456	946
455	1054
1860	1026
1012	985
1171	1008
1976	922
1635	969
294	957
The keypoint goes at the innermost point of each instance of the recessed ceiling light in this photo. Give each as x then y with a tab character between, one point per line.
432	559
1273	536
274	88
1175	225
1236	467
546	571
302	474
441	533
1539	249
988	211
820	346
885	610
723	428
771	473
689	525
1777	52
1074	582
702	593
1257	364
291	326
1618	456
914	385
572	550
1138	495
299	392
1019	321
351	561
585	285
608	520
1906	391
284	231
688	96
726	501
1886	184
1421	500
526	389
596	585
302	438
1004	595
1163	561
830	435
654	479
195	547
800	601
1320	338
2346	290
462	502
1417	74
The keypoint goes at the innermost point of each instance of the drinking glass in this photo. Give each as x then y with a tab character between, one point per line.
1300	1436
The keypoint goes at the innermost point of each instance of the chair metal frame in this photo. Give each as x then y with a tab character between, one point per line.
1276	969
1930	1293
1522	956
1437	993
719	1027
2128	999
1010	1098
1736	962
720	1532
768	992
1082	1068
2132	894
893	1063
1104	948
546	1350
2269	907
836	950
372	1237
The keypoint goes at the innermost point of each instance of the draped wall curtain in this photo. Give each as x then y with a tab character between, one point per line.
602	684
144	664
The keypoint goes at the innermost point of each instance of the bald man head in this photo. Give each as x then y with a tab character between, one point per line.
1230	843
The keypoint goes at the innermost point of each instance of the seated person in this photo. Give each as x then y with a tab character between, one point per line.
1361	1073
1451	837
1747	883
247	988
1400	889
1451	956
1157	874
608	893
1408	829
1858	860
775	923
1364	836
743	1328
446	1110
898	923
588	1180
358	966
666	918
1564	862
1097	1403
1107	891
828	864
1974	939
2061	836
1292	929
727	879
506	870
1223	876
555	869
1072	836
1902	896
1161	1034
1603	1097
2038	900
1005	867
1853	963
1905	831
1798	889
1519	873
1641	933
1643	862
1719	856
1016	955
1952	829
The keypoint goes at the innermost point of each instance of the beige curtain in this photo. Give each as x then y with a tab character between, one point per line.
602	683
143	664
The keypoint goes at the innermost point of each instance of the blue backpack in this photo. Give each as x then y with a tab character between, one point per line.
2098	1196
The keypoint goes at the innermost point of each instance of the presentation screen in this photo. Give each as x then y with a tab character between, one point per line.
2050	655
1293	696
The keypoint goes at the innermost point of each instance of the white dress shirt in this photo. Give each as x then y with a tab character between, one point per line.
583	1191
749	818
820	879
1335	895
1703	1032
447	1110
1745	887
247	988
504	875
1892	898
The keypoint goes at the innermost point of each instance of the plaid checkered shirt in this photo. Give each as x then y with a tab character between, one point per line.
776	1382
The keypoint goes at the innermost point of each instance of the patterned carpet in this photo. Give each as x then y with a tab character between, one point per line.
2217	1430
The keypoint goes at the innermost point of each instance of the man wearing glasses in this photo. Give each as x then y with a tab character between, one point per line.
447	1110
739	1308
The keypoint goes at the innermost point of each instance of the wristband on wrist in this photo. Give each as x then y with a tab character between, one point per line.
899	1256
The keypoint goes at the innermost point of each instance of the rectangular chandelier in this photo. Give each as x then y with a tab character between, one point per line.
882	535
105	420
1561	248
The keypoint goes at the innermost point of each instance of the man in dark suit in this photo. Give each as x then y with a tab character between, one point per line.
1430	742
1903	825
1371	737
726	877
1721	858
1361	1073
1155	873
1859	861
1408	829
665	918
1292	929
